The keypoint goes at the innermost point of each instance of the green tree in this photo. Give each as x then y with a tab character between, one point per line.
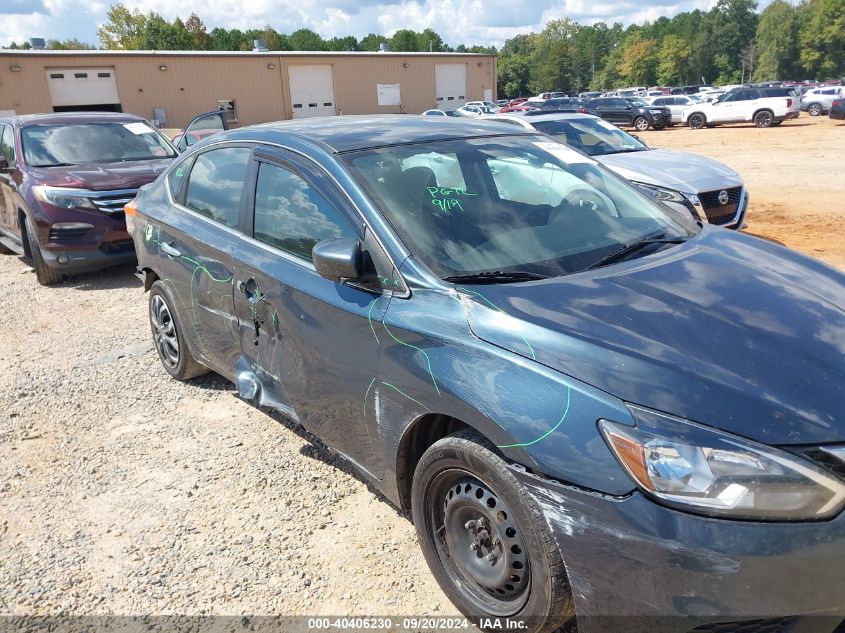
372	41
777	41
348	43
404	40
514	76
733	26
124	28
198	36
429	40
822	38
72	44
674	57
639	60
306	40
552	61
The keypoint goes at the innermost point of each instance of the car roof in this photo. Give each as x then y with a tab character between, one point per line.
534	118
350	133
59	118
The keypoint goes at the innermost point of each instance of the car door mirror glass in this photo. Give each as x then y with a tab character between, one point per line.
338	258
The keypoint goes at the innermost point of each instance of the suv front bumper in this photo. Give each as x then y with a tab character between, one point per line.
636	565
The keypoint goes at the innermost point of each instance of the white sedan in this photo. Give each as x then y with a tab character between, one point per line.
676	104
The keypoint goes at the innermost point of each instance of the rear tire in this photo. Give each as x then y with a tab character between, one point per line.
814	109
468	507
46	276
696	121
641	124
168	338
764	118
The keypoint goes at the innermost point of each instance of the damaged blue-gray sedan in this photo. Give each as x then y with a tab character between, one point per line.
597	411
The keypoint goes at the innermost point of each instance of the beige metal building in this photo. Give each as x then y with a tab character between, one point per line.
171	87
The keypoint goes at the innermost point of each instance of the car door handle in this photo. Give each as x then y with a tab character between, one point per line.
170	251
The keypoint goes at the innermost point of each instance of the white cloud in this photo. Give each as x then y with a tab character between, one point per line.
457	21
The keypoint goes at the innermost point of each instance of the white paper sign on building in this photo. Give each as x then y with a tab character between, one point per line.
388	95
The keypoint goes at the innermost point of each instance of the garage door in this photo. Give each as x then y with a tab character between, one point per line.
83	88
311	91
451	85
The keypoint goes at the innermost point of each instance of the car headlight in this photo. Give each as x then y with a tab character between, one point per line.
62	197
702	470
661	193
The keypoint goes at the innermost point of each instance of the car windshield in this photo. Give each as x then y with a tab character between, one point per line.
509	204
592	136
46	145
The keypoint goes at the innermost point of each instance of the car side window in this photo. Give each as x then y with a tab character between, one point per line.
7	144
745	95
216	182
176	178
293	216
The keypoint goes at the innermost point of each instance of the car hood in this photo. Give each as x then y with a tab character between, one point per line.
688	173
101	176
727	330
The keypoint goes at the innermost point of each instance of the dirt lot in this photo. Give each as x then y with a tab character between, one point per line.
795	175
125	492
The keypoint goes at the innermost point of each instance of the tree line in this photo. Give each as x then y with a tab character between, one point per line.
731	43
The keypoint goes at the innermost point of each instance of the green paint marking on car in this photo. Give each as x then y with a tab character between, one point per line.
398	390
370	319
422	351
550	431
498	309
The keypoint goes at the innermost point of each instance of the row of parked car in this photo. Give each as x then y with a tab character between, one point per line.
511	342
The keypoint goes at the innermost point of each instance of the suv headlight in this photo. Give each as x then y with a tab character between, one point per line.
62	197
702	470
660	193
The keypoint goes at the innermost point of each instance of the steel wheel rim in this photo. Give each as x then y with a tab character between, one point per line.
164	332
464	511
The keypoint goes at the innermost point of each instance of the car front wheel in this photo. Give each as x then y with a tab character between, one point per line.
168	339
641	124
814	109
485	537
46	276
696	121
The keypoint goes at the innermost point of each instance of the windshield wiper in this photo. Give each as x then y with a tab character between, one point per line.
635	246
497	277
55	165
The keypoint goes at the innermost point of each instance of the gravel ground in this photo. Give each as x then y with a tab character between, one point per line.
125	492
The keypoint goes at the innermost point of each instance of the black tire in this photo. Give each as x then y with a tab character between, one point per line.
815	109
462	478
764	118
45	275
697	121
168	340
641	124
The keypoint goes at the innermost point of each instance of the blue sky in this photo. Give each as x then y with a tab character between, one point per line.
457	21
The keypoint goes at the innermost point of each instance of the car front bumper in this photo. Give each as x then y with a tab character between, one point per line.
634	565
86	260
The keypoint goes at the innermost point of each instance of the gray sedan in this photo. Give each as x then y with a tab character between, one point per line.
711	191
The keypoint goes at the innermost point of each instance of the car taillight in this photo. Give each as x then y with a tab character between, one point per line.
789	103
130	210
837	103
582	110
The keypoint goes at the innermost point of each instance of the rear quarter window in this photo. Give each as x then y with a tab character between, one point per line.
216	182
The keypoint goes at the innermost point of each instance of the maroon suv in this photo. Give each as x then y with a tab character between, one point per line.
64	179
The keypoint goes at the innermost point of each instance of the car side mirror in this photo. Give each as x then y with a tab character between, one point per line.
338	258
4	164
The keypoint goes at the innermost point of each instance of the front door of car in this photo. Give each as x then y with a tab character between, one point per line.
7	168
194	243
309	343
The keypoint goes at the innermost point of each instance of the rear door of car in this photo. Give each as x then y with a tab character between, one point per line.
313	342
195	241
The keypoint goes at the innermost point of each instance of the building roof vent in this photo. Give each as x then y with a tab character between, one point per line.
384	47
259	46
37	43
